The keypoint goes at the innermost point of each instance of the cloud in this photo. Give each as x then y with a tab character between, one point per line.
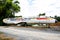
30	2
34	7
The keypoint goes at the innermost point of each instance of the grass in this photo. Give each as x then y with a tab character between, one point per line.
1	32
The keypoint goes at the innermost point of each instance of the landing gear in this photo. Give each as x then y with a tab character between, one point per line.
22	24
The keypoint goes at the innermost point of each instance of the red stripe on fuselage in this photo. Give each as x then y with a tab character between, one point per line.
41	18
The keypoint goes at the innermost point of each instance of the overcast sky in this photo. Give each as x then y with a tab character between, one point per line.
34	7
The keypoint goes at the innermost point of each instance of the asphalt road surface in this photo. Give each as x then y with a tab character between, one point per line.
31	34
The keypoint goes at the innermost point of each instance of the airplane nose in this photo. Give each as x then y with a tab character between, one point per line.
56	21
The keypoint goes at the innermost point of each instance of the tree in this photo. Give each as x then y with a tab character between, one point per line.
43	14
57	18
8	8
18	16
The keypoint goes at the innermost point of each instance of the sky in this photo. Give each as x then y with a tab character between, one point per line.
31	8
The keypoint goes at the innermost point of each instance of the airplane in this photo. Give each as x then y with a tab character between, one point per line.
24	21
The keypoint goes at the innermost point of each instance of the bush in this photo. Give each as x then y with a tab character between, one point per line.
57	18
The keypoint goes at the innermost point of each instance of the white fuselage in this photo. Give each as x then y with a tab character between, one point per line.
29	20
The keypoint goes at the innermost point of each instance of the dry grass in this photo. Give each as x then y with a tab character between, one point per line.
4	37
55	24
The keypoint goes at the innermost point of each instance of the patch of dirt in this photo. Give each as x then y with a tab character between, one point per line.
4	37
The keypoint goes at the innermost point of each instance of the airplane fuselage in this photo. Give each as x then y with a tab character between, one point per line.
28	20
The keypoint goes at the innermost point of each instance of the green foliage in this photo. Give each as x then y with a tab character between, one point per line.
43	14
17	16
16	2
57	18
8	8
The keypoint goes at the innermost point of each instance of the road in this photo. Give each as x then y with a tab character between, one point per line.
30	33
